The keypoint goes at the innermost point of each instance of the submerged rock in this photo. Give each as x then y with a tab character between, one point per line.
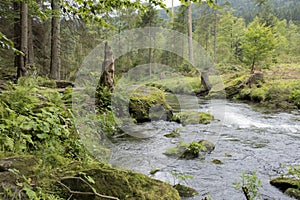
217	162
289	186
191	150
173	134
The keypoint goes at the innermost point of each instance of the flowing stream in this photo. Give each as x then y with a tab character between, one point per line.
246	141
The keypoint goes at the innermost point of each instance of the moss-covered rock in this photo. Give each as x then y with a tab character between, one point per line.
283	183
148	104
173	134
192	118
83	178
130	185
209	146
13	170
217	162
235	85
192	150
292	192
289	186
185	191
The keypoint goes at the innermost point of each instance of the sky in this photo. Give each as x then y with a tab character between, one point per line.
169	3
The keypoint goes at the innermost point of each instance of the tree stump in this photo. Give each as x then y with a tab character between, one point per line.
108	68
256	77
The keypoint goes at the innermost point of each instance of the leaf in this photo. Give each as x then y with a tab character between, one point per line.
30	193
90	179
42	136
9	143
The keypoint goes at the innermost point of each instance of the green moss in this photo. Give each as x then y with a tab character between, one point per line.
217	162
179	84
191	150
185	191
130	185
149	104
192	118
292	192
173	134
279	91
104	179
153	171
178	150
284	183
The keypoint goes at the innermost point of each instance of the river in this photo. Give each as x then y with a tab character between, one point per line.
246	141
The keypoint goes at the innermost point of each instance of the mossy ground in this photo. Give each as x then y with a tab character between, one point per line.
40	146
280	89
178	85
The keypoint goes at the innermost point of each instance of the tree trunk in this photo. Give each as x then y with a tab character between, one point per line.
172	19
17	33
30	43
215	33
55	42
108	68
22	68
190	33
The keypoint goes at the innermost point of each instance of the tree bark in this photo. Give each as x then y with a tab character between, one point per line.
17	33
190	33
55	42
172	19
108	68
215	33
30	43
22	68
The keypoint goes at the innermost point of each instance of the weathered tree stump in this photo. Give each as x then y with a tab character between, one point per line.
108	68
256	77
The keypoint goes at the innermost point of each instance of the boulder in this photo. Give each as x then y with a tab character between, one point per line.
186	118
185	191
147	104
84	180
191	150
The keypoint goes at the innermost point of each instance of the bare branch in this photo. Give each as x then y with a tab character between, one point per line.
84	193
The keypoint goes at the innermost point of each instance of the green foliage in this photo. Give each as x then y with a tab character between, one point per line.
6	43
33	118
174	133
295	97
26	189
179	177
251	182
295	171
103	98
258	43
195	148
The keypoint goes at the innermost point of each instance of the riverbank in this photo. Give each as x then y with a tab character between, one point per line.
279	90
42	156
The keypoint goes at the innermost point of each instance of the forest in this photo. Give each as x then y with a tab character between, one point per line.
125	99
